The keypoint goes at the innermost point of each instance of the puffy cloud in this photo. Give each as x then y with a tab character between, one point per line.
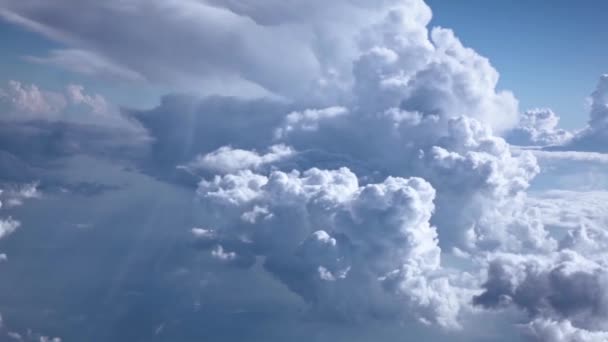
560	331
594	136
8	226
420	105
307	120
538	127
39	125
22	103
481	188
332	240
412	111
563	286
227	159
15	195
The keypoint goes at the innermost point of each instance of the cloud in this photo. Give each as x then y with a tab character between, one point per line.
538	127
11	197
344	241
421	105
569	170
288	56
39	125
563	286
593	138
87	63
25	103
307	120
227	160
372	167
560	331
14	196
570	156
569	209
8	226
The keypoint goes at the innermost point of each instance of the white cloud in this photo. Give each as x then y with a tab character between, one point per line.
8	226
377	238
541	330
595	135
410	109
14	195
538	127
227	159
307	120
22	103
219	253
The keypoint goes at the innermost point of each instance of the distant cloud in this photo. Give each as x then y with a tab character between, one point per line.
538	127
594	137
227	159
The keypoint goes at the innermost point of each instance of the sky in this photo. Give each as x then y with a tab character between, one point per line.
547	53
228	170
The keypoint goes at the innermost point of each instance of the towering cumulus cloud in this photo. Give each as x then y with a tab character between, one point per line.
538	127
367	243
595	135
371	181
356	249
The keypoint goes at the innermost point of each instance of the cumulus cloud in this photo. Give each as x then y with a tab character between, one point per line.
333	241
563	286
39	125
15	195
420	105
8	226
376	158
560	331
11	197
593	138
307	120
227	159
22	103
538	127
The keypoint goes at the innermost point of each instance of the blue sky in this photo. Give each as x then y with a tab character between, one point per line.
305	170
548	52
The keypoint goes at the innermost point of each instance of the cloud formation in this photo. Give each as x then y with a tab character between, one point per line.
593	138
345	241
538	127
361	164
